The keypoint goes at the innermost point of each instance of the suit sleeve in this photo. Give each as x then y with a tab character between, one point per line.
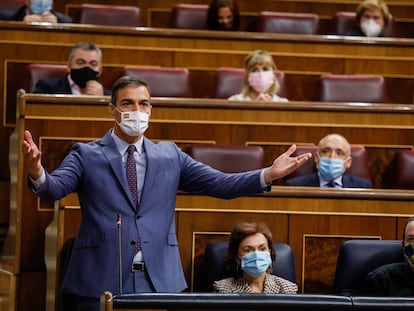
42	87
62	18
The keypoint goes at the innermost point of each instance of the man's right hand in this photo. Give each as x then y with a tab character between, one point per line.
94	88
32	156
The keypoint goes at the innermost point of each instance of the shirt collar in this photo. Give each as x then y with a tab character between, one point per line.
122	145
324	182
74	87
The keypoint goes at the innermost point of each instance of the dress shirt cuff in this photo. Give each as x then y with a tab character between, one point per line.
265	186
37	183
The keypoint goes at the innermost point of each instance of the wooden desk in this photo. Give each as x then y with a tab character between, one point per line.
300	217
252	302
224	302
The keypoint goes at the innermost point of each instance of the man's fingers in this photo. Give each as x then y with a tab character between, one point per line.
28	137
291	150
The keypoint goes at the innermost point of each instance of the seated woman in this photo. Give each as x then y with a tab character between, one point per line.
223	15
372	16
260	82
249	259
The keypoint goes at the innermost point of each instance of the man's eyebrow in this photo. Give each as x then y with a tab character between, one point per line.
126	100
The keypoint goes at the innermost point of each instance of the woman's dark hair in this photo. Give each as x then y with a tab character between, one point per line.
240	232
212	14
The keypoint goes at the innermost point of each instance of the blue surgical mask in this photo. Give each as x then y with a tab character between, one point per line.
256	263
331	168
39	7
409	255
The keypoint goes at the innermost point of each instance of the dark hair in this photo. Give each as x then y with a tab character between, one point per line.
85	46
212	14
405	227
240	232
125	81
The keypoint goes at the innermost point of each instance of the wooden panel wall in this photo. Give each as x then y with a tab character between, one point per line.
317	228
57	121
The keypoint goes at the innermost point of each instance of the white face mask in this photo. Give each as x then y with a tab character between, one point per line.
370	28
133	123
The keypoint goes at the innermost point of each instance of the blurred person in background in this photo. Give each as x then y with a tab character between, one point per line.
36	11
223	15
260	81
372	17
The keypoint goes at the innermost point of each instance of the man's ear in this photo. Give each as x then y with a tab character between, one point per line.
111	109
316	157
348	163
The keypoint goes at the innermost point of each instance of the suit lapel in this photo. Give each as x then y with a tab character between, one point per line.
346	182
314	180
151	170
111	153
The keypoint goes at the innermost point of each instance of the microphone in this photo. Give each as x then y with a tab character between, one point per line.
119	224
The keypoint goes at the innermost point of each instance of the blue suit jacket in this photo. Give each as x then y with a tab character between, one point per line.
56	86
20	14
312	180
95	172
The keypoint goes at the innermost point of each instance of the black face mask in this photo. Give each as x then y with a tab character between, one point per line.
82	75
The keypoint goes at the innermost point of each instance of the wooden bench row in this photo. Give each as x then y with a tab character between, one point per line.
203	53
400	9
162	18
298	86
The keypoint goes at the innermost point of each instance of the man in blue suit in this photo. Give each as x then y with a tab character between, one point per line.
97	172
332	160
84	67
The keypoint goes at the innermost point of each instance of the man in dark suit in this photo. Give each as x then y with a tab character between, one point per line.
332	160
394	279
36	11
85	67
127	183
